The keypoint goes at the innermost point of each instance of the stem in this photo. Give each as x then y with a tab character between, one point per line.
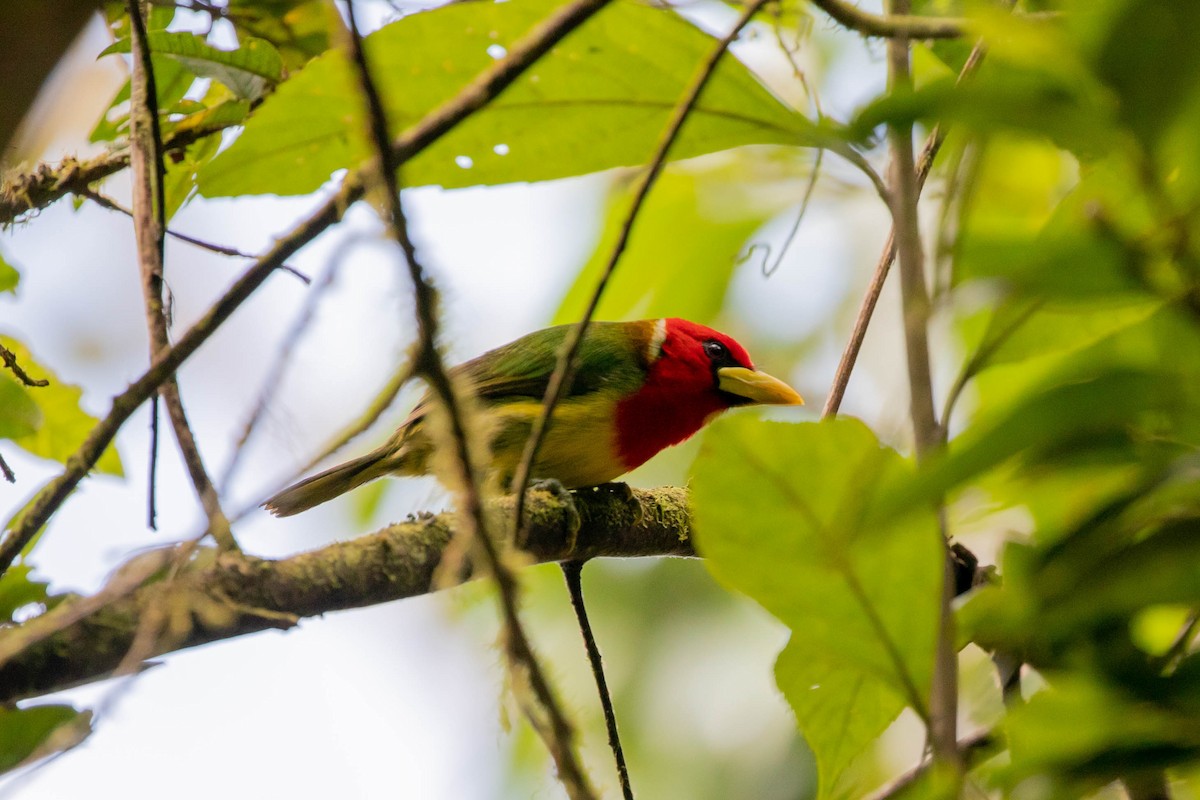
573	574
943	700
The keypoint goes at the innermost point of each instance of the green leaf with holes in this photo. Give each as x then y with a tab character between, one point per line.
859	589
598	100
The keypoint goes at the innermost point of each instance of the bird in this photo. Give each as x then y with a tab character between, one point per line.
639	388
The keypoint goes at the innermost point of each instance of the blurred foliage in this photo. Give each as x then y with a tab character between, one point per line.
1066	267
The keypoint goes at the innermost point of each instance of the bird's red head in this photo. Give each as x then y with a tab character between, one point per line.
695	373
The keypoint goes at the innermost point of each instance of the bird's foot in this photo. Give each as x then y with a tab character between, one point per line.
564	496
552	486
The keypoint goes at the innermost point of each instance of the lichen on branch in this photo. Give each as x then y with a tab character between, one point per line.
223	595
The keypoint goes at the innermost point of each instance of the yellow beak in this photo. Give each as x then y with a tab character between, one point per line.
758	387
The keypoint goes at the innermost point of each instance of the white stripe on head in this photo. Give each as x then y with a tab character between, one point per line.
656	339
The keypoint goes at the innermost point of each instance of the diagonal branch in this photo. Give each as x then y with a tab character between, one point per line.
891	25
474	96
223	595
545	713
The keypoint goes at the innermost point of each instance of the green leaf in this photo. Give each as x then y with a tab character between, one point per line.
19	414
17	590
29	733
64	424
841	710
598	100
9	277
299	29
1146	53
248	71
859	591
171	82
1081	734
663	273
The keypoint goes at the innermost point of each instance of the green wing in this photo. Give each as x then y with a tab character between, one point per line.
611	358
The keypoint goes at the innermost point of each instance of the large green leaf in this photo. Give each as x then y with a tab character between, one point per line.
63	423
840	709
598	100
789	515
683	251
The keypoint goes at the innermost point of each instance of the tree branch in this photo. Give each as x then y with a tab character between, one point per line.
474	96
891	25
223	595
943	695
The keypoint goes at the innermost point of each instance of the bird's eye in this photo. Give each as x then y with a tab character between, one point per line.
714	349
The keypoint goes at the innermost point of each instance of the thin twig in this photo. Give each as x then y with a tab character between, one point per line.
476	94
6	471
573	574
866	309
274	375
104	201
943	698
564	369
10	360
973	749
892	25
545	715
149	221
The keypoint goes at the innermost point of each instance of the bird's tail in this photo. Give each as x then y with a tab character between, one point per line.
333	482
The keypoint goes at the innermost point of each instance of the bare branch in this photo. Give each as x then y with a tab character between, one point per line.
429	129
230	594
943	698
892	25
866	309
10	360
104	201
149	222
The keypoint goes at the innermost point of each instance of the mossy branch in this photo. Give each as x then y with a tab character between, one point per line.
223	595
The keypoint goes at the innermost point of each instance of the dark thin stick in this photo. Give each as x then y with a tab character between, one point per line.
476	94
145	161
943	696
6	471
546	717
152	468
10	360
564	370
149	221
572	573
866	309
112	205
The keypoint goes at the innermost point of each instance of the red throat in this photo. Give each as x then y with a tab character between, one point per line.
679	396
